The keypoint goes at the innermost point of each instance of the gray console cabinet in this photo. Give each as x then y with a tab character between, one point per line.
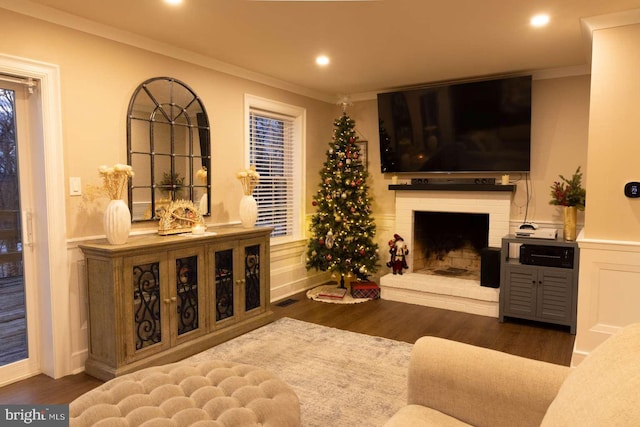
540	293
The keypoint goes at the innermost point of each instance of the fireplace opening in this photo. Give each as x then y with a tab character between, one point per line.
449	243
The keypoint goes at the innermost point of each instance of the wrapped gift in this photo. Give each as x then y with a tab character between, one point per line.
365	290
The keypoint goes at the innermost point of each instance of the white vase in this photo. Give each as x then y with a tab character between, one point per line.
248	211
117	222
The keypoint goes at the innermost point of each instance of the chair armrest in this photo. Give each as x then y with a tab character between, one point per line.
479	386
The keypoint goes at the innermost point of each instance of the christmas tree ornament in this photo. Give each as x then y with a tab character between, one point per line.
329	240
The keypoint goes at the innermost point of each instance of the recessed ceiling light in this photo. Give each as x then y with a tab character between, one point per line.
174	2
540	20
322	60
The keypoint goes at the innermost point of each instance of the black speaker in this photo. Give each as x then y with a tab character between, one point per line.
490	267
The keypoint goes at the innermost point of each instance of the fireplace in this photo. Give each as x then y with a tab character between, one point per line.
449	243
485	217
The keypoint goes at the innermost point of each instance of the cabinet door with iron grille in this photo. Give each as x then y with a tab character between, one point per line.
222	274
254	270
147	302
187	294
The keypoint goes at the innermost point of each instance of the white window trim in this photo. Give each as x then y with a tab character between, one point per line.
299	116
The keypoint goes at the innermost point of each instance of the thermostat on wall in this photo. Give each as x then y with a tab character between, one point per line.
632	189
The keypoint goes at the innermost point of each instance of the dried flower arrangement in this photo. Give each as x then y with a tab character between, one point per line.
249	179
569	192
114	179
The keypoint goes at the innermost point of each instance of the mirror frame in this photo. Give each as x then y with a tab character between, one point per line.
165	108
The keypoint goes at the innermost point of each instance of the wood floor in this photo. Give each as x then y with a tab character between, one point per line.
398	321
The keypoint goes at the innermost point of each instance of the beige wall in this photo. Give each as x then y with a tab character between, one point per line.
613	135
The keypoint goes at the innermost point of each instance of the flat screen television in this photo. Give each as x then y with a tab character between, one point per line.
480	126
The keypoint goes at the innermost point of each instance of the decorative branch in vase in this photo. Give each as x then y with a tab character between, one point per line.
249	178
115	179
117	218
571	195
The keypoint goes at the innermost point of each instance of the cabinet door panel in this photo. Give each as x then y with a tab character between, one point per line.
187	306
146	316
520	295
147	305
224	284
555	295
252	277
188	289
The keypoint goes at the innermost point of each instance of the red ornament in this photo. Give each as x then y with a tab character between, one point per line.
321	241
329	257
314	203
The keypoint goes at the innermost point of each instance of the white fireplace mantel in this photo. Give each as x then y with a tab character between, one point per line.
439	291
497	204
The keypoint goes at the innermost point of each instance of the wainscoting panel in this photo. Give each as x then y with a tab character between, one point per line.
608	292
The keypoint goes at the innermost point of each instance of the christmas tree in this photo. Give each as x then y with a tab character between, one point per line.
342	228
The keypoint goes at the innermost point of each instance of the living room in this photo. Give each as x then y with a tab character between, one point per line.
582	115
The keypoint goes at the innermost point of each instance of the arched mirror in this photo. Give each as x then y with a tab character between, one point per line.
168	145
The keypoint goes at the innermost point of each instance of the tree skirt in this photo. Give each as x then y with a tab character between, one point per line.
316	295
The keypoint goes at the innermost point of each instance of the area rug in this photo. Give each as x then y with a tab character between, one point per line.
316	295
341	378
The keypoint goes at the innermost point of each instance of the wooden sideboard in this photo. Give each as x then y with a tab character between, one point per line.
159	299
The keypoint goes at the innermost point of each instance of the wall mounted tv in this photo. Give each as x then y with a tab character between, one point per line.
480	126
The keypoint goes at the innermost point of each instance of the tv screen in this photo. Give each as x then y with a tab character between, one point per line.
482	126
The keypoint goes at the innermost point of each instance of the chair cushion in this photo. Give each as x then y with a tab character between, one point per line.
214	393
603	389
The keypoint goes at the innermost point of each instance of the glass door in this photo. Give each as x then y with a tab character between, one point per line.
18	355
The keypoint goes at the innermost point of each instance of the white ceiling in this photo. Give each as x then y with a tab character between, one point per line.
373	45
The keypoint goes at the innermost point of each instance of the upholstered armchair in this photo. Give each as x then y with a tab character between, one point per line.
455	384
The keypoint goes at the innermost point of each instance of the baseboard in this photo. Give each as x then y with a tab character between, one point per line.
291	288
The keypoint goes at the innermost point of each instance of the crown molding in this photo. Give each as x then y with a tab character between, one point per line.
602	22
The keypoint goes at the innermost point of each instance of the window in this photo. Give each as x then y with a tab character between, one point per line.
275	145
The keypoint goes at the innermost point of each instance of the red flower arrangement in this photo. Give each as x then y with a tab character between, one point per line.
569	192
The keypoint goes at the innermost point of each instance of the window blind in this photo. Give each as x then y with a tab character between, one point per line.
271	150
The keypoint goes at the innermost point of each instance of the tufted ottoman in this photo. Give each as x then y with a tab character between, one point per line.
208	394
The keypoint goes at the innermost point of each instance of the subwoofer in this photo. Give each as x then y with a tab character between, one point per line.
490	267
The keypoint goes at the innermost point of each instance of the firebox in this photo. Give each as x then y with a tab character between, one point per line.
449	243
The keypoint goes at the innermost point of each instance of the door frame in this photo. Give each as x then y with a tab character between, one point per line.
49	219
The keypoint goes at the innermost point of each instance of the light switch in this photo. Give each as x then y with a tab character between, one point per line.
75	186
